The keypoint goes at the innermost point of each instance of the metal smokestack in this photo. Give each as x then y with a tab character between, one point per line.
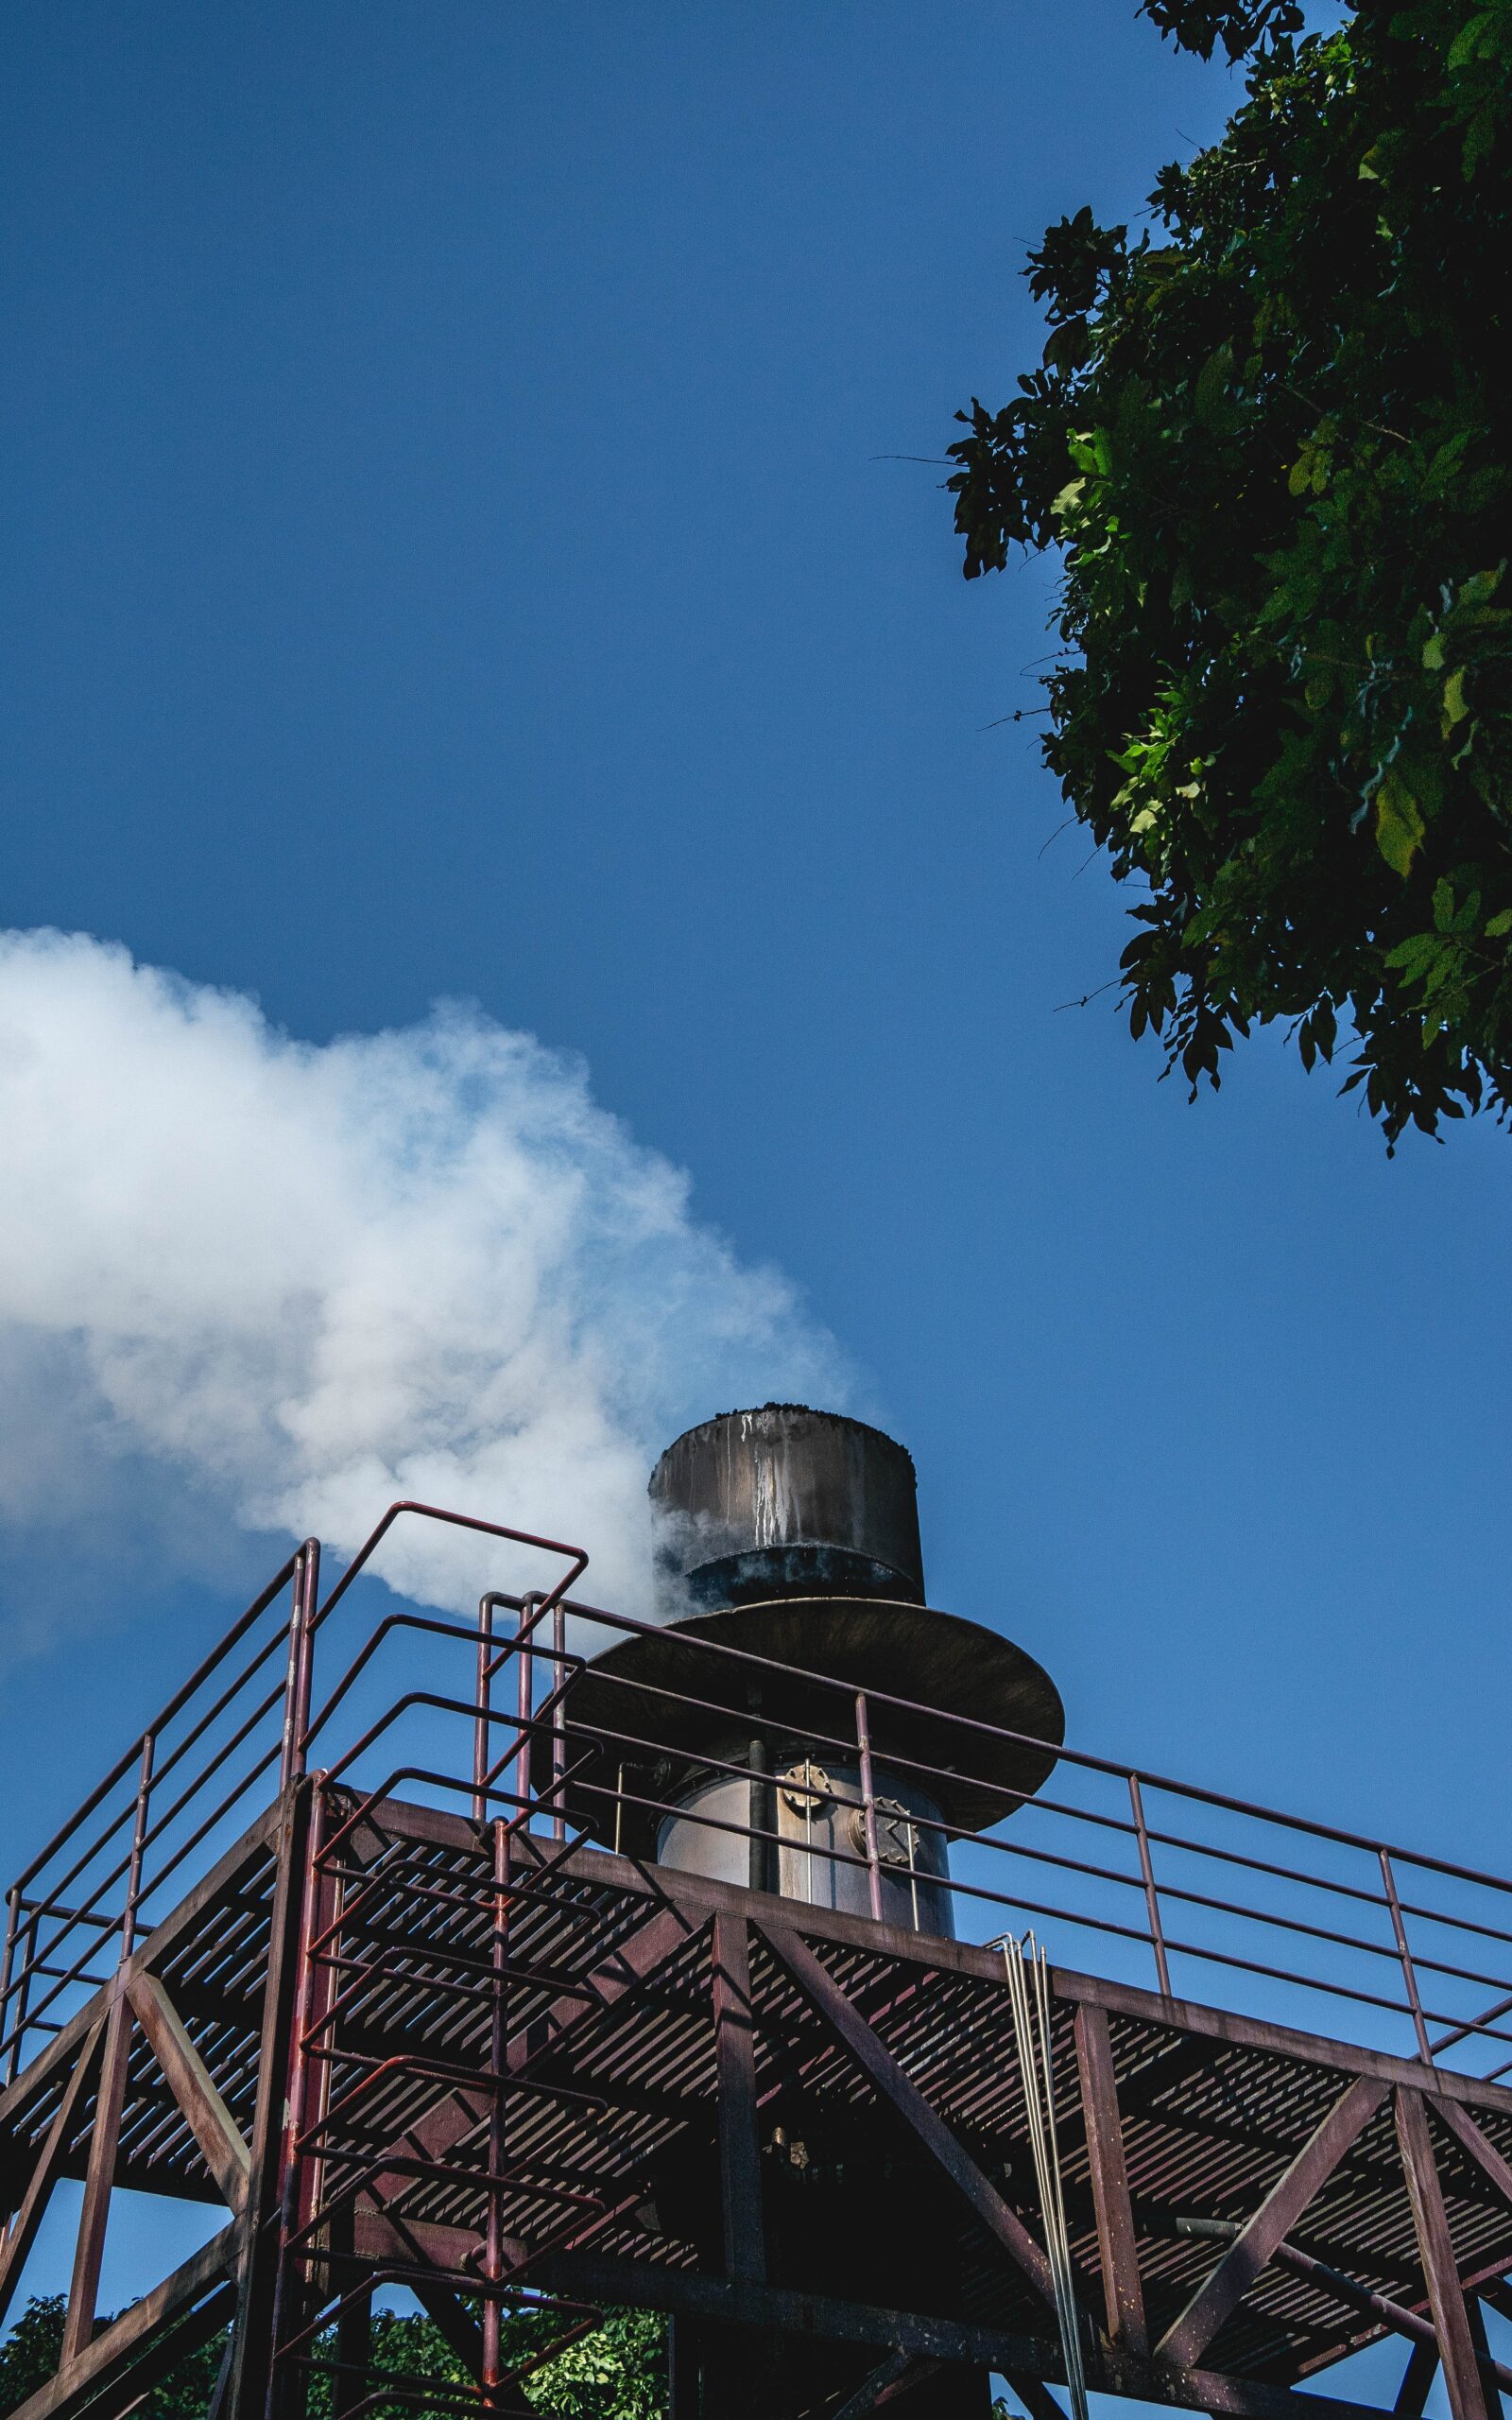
792	1537
788	1503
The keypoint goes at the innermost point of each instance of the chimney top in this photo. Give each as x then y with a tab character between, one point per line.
786	1501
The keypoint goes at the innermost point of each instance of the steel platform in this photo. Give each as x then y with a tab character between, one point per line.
474	2055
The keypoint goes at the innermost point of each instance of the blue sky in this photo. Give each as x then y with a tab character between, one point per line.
452	547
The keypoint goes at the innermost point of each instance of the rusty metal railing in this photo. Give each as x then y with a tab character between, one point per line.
1153	1880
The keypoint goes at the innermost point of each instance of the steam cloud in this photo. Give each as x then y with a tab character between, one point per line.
290	1283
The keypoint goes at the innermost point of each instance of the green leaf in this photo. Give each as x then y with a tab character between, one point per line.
1413	956
1214	379
1399	828
1500	926
1455	708
1471	42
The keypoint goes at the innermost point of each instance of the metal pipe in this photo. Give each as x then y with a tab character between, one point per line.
1405	1954
1151	1900
868	1806
480	1726
292	1726
492	2365
525	1658
307	1589
558	1718
758	1853
139	1834
6	1960
23	2011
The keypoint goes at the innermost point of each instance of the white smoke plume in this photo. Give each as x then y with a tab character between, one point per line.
287	1284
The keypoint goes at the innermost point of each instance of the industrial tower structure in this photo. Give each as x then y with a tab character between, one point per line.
562	1962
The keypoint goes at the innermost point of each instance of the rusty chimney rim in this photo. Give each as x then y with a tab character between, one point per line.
810	1410
786	1500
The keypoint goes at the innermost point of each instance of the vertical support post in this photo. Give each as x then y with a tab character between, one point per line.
558	1718
525	1659
498	2064
7	1957
139	1840
1457	2346
249	2379
740	2163
28	1968
485	1701
83	2291
1152	1904
304	1605
760	1810
1122	2292
19	1983
868	1806
1409	1972
308	2091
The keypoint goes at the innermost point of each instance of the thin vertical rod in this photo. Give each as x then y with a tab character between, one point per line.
498	2060
558	1718
138	1835
1152	1904
524	1657
480	1720
868	1805
300	2181
28	1966
759	1811
7	1963
305	1598
1409	1972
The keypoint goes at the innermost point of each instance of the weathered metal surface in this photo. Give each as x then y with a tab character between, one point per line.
785	1501
472	2054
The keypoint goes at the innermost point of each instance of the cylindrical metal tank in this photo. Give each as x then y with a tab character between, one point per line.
792	1536
788	1503
818	1812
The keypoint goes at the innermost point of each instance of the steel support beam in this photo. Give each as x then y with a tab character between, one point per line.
904	2099
1122	2293
1457	2346
22	2232
1221	2294
740	2160
220	2140
78	2327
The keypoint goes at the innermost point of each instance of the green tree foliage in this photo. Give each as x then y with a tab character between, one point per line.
617	2372
1270	439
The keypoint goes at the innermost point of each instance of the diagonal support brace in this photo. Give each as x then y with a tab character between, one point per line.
1221	2294
903	2097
